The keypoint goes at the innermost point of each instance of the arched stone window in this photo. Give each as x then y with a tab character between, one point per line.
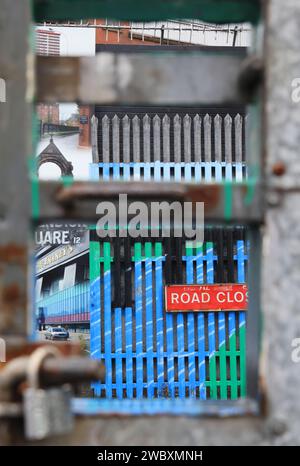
52	154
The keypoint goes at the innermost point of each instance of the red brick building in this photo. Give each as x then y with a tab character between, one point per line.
85	113
48	113
119	35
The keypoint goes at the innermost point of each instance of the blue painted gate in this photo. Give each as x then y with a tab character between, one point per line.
149	353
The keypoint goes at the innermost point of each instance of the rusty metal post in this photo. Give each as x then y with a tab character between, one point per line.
15	137
281	271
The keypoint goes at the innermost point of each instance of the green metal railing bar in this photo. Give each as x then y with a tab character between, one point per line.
216	11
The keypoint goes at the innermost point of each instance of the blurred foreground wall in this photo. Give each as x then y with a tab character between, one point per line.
280	376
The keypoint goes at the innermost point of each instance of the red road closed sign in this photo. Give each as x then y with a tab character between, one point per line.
224	297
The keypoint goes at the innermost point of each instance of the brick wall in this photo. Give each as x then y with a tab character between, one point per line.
110	36
48	113
85	126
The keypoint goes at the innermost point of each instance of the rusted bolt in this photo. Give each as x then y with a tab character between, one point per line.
277	427
278	169
273	199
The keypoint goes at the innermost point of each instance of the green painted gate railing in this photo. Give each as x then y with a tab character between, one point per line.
216	11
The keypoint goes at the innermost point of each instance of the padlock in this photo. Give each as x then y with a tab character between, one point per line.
47	412
59	402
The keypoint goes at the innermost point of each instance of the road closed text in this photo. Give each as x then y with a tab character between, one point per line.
221	297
